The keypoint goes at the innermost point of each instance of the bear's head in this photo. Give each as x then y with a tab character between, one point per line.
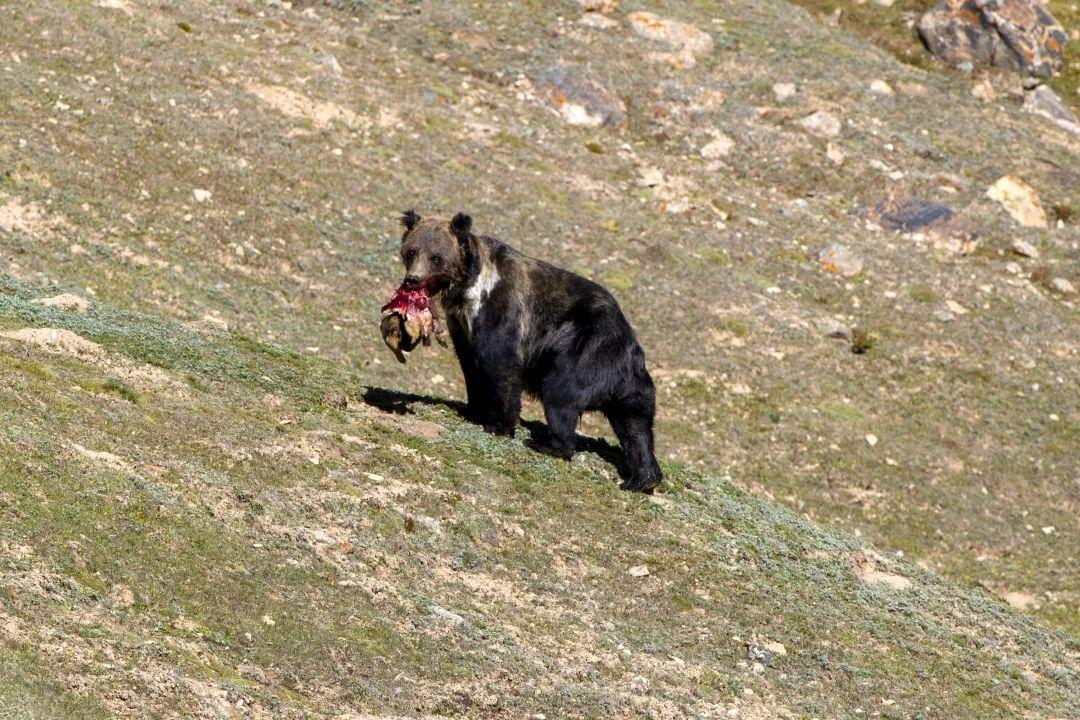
435	251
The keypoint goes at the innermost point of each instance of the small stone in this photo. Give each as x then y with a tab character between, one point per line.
822	124
1049	530
775	648
201	195
718	148
839	259
452	618
944	316
835	154
331	63
784	91
1025	249
267	620
880	87
871	440
1062	286
1019	200
638	571
955	307
984	90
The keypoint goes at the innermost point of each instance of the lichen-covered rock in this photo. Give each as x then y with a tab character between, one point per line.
1019	200
1044	101
687	41
580	98
1018	35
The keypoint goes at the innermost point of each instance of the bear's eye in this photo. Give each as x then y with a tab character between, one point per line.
436	261
409	255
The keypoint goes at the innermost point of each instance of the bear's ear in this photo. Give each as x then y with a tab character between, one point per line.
460	225
409	219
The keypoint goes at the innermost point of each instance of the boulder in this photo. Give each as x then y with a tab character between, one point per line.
687	41
1019	200
1043	101
913	214
1018	35
580	98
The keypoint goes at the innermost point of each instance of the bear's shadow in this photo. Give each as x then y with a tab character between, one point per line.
400	403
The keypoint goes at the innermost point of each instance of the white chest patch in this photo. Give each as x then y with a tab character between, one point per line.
478	293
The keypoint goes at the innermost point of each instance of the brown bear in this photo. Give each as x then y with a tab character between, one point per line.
522	325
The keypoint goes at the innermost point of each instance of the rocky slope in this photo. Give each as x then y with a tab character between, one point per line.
240	166
201	525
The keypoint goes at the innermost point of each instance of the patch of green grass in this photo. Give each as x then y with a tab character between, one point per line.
841	411
111	386
734	325
923	293
618	280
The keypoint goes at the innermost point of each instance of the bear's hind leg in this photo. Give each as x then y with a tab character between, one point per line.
562	422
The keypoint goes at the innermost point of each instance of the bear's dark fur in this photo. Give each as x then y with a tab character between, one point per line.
520	324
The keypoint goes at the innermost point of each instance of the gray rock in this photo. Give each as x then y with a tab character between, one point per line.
450	617
579	98
822	124
1044	101
1019	35
912	214
1062	286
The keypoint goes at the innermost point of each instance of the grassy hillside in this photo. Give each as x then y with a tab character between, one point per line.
218	176
200	525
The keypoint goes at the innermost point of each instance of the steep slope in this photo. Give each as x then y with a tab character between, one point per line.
305	130
199	525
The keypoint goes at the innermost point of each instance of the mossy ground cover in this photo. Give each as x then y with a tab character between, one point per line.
290	556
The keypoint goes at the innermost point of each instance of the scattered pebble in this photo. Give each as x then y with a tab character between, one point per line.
451	617
835	154
784	91
201	195
718	148
871	440
1062	286
638	571
956	308
1026	249
822	124
880	87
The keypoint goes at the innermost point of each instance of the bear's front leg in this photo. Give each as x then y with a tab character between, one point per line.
499	367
